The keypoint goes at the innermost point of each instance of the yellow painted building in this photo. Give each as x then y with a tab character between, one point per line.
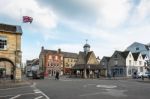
10	49
69	62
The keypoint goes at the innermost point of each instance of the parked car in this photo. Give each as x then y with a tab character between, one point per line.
146	74
139	75
29	74
38	75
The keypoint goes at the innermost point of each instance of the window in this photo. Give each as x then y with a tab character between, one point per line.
116	62
50	57
140	62
115	56
141	69
3	42
103	63
137	48
130	62
56	57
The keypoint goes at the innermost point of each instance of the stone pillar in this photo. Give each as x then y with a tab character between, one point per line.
85	74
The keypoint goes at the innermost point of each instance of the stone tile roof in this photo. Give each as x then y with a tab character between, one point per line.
65	54
70	55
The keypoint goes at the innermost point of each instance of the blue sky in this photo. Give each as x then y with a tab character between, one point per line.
108	25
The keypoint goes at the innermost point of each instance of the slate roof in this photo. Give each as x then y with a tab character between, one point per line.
144	56
86	45
107	58
125	54
10	28
135	56
146	46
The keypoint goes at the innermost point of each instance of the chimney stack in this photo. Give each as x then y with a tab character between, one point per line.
42	48
59	50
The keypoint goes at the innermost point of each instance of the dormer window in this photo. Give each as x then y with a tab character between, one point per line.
115	56
3	42
137	48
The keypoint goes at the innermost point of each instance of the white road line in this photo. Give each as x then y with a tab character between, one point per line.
38	97
36	90
15	97
45	95
6	96
91	94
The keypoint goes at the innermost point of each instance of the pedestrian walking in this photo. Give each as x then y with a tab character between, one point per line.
57	75
114	74
142	77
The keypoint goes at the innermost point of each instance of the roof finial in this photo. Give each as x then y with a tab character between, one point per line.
86	40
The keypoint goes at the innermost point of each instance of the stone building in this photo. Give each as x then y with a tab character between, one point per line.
104	66
10	49
87	65
52	61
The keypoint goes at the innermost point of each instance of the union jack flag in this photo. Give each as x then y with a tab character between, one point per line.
27	19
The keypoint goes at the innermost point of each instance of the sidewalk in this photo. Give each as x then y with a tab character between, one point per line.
4	84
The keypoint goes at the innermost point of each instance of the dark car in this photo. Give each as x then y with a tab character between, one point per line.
38	75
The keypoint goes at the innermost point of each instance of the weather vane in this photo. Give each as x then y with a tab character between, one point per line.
86	40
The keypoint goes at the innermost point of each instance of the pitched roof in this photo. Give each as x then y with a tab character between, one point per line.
88	55
65	54
124	54
70	55
146	46
135	56
107	58
144	55
81	58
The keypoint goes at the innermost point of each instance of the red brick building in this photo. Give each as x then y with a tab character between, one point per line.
52	61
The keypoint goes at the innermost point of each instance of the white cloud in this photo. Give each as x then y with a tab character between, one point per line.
15	9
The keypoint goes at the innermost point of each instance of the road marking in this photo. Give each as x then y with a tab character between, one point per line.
33	85
91	94
38	97
36	90
15	97
88	85
106	86
44	95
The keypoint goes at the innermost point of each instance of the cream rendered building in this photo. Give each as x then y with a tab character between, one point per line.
10	50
